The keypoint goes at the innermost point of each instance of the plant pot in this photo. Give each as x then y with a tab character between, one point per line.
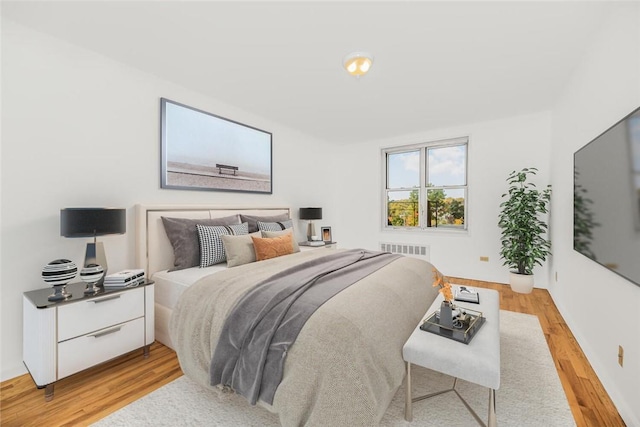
521	283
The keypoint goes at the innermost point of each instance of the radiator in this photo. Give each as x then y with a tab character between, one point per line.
409	249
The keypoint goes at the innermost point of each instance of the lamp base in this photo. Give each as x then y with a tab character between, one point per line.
91	289
59	293
95	255
311	230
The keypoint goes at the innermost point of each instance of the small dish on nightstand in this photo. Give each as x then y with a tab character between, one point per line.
315	245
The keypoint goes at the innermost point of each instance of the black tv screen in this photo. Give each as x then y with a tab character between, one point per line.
606	198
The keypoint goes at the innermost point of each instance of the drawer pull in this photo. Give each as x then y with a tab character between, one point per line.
110	331
97	301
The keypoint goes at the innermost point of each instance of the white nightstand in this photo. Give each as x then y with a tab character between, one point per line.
65	337
305	246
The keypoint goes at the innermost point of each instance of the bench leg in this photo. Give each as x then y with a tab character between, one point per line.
492	421
408	412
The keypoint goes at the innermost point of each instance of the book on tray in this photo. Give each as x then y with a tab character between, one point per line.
124	278
467	294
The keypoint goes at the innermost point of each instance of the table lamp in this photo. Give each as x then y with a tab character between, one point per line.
93	222
310	214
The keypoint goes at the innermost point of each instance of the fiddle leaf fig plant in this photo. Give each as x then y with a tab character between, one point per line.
524	242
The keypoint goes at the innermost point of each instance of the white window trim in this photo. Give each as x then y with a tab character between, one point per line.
422	147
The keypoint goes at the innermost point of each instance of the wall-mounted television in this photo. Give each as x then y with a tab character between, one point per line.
606	198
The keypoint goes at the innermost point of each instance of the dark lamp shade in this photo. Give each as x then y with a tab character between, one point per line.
90	222
310	213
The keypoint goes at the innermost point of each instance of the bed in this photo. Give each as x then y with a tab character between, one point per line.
345	364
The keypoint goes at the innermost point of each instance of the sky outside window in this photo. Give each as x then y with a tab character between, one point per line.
404	170
447	166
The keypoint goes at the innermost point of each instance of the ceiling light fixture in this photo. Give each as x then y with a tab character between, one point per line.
358	63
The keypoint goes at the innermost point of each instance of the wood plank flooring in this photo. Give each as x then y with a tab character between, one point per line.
95	393
88	396
589	402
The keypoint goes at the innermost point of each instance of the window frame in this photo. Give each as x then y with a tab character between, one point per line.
423	188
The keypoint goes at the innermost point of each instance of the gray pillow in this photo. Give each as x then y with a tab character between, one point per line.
183	235
239	249
253	220
270	234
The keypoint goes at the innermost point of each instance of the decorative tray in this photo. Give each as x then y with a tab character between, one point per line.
463	330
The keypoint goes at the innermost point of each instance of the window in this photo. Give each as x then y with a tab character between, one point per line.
426	185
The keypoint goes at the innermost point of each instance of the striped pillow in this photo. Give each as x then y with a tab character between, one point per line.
275	226
211	246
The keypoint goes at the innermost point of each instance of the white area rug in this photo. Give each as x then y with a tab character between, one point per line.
530	394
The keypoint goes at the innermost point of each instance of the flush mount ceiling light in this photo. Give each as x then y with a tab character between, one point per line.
358	63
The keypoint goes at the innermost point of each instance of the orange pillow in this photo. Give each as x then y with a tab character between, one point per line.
267	248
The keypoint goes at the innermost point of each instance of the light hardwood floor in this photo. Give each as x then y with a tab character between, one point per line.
93	394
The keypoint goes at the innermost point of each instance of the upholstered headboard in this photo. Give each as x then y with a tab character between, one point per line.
153	249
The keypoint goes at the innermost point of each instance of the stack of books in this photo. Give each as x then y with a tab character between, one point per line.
466	294
124	278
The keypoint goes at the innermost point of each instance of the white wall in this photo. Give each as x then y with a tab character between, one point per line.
603	89
495	149
81	130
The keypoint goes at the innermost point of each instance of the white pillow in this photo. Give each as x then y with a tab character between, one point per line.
239	249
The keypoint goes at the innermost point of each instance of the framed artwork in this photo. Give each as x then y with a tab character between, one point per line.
326	234
202	151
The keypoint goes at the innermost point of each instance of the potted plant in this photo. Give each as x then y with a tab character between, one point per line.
523	238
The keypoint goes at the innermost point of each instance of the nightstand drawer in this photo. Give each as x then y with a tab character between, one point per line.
91	315
83	352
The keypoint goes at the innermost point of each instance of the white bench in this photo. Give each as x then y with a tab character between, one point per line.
477	362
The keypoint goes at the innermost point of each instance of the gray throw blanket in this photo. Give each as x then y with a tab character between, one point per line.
253	344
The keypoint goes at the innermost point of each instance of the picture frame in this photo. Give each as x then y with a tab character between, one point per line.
204	151
325	232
